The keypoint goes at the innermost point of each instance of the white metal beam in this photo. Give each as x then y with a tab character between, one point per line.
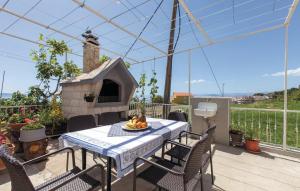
230	38
58	31
118	26
291	12
196	21
285	108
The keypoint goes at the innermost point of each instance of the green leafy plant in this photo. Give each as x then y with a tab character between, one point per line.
16	118
44	117
251	134
103	59
158	99
49	70
153	86
142	98
33	126
236	129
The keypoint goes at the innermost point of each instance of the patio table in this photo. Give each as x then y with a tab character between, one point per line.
123	146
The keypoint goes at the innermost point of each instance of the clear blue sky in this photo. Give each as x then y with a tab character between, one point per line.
248	65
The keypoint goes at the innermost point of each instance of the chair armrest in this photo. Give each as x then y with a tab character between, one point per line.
82	173
188	132
52	153
176	143
157	165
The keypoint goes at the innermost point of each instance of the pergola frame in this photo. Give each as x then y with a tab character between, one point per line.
197	24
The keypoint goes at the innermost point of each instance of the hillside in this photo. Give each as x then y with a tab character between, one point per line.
276	100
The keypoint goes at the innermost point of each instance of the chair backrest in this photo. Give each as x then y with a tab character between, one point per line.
210	132
194	161
81	122
109	118
18	176
178	116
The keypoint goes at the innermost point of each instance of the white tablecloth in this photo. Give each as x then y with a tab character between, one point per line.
124	149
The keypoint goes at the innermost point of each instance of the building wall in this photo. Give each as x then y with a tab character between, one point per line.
73	102
221	119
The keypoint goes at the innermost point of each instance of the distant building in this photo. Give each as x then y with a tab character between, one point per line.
261	98
243	100
180	98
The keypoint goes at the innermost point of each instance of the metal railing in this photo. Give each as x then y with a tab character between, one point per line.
18	109
155	110
267	125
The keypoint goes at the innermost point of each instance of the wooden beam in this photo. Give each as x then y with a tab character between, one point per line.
167	91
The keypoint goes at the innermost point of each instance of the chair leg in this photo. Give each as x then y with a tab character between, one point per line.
211	168
67	165
201	178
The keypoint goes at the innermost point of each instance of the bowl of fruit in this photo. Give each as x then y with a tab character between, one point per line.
136	124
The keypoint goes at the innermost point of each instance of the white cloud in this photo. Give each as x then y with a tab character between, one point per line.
292	72
195	81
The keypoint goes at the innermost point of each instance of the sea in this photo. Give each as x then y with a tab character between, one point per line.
6	95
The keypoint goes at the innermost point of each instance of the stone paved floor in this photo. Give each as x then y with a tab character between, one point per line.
234	170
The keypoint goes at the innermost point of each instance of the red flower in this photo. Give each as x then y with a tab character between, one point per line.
27	120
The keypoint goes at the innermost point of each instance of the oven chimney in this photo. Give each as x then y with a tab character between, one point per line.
90	52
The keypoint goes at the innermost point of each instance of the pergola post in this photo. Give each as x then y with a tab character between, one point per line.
285	86
189	88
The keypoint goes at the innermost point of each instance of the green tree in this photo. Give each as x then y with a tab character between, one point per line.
49	70
158	99
105	58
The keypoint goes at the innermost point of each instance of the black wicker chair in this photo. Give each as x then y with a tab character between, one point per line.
109	118
178	116
73	180
181	153
81	122
169	176
78	123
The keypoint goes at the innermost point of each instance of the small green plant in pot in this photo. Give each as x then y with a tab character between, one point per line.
32	132
236	135
34	140
252	141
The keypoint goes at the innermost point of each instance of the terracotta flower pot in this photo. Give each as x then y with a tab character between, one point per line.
15	135
12	151
252	146
16	126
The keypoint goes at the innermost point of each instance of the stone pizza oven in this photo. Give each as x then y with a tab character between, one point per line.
111	83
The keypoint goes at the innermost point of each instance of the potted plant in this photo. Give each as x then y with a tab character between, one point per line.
34	140
89	97
252	142
16	122
4	140
236	136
